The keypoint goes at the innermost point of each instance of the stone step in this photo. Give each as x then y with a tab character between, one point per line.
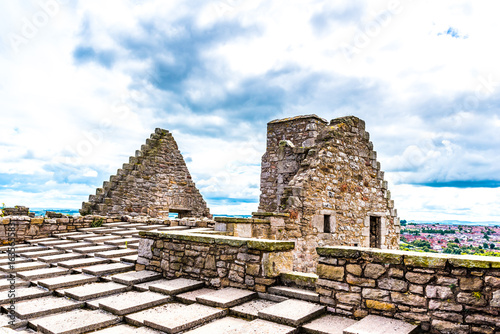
55	242
295	293
61	257
219	326
328	324
132	301
126	329
17	260
6	322
184	318
67	281
108	269
250	310
190	297
91	229
75	322
227	297
148	227
176	286
108	230
116	253
94	249
262	327
131	225
36	241
78	263
44	306
66	234
299	280
129	258
23	294
101	239
95	290
18	267
82	236
137	319
16	247
30	249
136	277
74	245
374	324
37	274
5	284
292	312
33	255
122	241
115	224
125	233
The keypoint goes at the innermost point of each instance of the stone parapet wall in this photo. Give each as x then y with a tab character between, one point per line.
27	228
444	293
219	261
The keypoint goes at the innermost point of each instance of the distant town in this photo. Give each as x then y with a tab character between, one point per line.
451	239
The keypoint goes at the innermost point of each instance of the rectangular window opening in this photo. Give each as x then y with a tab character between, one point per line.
375	232
326	224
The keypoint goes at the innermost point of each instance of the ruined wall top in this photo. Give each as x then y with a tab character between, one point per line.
156	181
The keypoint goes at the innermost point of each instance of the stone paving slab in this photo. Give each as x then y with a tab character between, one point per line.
134	246
115	224
227	297
190	297
74	245
66	234
373	324
78	263
145	286
148	227
176	286
30	249
295	293
95	290
4	322
49	252
66	281
292	312
36	274
16	246
126	329
132	301
82	236
23	294
136	277
328	324
94	249
122	241
18	283
61	257
260	326
17	260
108	269
250	310
18	267
101	239
219	326
131	225
129	258
44	306
91	229
116	253
35	241
125	232
184	318
108	230
76	322
55	242
137	319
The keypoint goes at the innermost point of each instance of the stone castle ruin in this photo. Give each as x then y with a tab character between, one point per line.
154	182
319	256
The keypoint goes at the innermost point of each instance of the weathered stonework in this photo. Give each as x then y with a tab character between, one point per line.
443	293
325	178
219	261
156	181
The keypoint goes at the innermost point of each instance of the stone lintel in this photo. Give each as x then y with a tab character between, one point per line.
258	244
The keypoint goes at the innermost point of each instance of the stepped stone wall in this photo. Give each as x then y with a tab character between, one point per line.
154	182
325	178
443	293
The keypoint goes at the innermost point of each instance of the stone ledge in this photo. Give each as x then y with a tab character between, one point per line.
270	214
258	244
412	259
237	220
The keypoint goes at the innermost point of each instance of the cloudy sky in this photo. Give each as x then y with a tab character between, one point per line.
83	84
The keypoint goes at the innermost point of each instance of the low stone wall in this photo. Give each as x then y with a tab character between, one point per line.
444	293
219	261
39	227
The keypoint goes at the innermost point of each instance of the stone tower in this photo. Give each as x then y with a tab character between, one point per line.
324	177
156	181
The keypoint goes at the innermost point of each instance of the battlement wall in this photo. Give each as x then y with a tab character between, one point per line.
444	293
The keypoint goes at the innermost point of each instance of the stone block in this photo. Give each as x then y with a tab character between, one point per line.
292	312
